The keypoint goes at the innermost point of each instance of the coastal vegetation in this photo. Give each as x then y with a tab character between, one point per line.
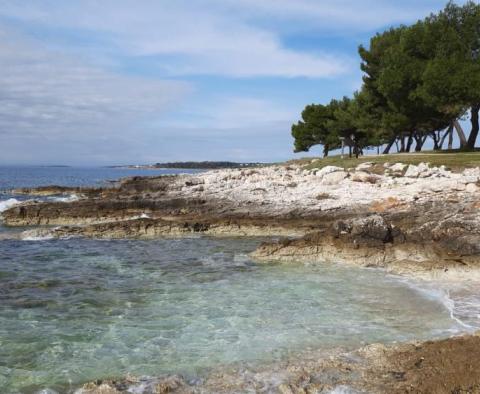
419	82
207	165
455	160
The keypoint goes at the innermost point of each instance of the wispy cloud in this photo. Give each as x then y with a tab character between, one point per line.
38	85
117	81
197	37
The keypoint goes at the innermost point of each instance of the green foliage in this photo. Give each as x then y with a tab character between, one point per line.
417	81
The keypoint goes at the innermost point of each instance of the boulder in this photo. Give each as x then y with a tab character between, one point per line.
334	178
459	186
362	176
420	171
425	171
397	168
327	170
412	171
471	188
364	166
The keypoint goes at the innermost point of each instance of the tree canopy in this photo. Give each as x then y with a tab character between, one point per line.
418	81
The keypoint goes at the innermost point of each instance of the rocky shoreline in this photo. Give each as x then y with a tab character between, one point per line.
440	367
407	219
411	220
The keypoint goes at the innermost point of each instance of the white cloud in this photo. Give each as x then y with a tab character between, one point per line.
223	114
338	15
41	91
198	37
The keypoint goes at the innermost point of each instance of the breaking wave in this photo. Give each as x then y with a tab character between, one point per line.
7	204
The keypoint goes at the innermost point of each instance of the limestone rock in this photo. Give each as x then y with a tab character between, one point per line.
364	166
397	167
334	178
362	176
421	171
459	186
471	188
328	170
412	171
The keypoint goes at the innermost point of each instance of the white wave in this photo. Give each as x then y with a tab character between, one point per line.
46	391
439	292
38	238
36	235
70	198
7	204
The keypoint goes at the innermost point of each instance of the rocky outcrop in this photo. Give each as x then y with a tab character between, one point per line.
415	238
146	228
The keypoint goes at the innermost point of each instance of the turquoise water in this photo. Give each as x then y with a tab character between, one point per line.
76	310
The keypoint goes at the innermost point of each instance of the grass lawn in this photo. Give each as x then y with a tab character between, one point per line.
454	160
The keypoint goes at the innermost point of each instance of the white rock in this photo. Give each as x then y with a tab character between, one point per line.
327	170
458	186
471	188
424	170
334	178
437	187
475	172
364	166
362	176
412	171
398	167
470	179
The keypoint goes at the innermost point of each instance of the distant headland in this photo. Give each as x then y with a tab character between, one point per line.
207	165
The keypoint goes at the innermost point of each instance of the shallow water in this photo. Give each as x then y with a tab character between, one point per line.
76	310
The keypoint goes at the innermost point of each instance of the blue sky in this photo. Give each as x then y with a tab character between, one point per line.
140	81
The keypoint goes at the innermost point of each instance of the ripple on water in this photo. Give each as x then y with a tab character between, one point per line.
77	310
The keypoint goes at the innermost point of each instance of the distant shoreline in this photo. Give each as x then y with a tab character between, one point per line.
199	165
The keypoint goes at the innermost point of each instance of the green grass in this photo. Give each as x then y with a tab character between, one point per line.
456	161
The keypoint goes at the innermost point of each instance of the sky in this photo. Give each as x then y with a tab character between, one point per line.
92	82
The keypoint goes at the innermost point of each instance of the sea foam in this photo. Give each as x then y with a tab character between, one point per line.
70	198
7	204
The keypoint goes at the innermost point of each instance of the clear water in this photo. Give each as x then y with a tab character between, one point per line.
76	310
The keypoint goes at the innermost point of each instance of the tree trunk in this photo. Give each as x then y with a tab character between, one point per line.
402	144
448	132
472	138
435	140
461	134
409	142
389	146
450	138
350	151
419	141
325	150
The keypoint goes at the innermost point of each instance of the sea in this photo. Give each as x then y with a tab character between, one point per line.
77	310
